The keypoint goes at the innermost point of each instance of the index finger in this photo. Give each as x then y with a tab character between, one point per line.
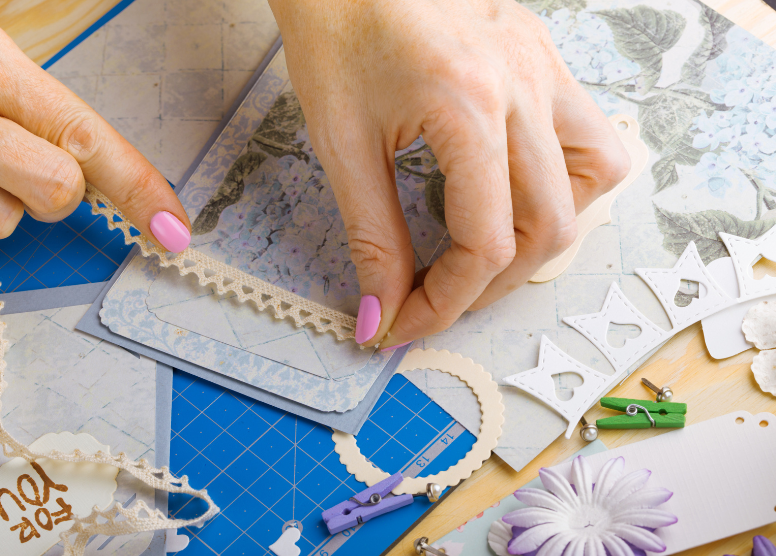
471	147
45	107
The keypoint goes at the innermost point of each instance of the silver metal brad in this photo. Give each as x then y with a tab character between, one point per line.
433	492
589	431
664	394
423	548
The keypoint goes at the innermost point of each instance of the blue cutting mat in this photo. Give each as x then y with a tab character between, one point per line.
78	250
264	467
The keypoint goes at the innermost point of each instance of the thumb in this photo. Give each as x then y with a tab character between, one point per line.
364	185
106	159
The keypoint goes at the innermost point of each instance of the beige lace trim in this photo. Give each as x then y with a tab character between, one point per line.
227	278
116	520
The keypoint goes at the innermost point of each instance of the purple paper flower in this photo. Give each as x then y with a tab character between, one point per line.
611	514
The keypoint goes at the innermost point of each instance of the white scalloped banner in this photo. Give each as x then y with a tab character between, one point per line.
664	283
491	407
116	519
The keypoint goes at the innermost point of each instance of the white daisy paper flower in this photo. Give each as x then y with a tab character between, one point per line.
608	515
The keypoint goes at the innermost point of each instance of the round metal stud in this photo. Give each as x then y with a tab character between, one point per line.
433	491
589	431
665	394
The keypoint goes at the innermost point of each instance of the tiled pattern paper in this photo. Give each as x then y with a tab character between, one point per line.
64	380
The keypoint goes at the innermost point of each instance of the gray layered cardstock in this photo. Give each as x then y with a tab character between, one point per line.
349	421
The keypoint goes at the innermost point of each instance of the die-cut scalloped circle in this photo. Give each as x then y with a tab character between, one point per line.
491	407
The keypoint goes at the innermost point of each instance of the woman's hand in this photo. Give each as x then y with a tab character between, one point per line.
523	147
51	142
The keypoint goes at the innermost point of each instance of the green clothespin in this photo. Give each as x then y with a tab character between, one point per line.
642	414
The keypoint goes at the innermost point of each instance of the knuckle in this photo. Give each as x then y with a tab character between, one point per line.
485	87
141	190
613	167
439	302
550	232
562	234
78	134
370	257
501	252
495	251
475	77
64	183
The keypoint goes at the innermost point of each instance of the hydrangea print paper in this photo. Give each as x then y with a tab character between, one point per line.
703	92
260	202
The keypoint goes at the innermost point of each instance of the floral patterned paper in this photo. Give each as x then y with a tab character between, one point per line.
260	201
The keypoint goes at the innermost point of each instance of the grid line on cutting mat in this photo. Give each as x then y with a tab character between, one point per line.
214	445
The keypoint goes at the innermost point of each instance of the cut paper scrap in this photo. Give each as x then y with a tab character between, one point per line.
722	330
116	520
286	544
759	328
618	310
175	542
745	254
599	211
39	499
665	282
717	492
764	370
491	407
759	325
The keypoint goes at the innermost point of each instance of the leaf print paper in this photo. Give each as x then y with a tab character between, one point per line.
702	91
260	201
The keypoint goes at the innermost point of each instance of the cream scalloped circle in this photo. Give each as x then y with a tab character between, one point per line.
491	407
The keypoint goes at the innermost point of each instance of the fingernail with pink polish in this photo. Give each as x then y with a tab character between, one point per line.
170	231
369	313
396	347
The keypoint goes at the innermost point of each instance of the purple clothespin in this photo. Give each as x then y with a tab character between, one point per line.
366	505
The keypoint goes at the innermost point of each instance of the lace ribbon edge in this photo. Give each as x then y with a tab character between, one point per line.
226	278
